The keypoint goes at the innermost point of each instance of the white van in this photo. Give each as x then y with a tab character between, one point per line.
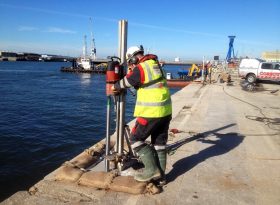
253	69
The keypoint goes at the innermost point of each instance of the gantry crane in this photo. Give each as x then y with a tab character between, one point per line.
230	49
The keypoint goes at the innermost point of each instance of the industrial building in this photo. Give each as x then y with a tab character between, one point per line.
12	56
271	56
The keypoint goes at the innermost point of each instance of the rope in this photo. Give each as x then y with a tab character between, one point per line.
267	121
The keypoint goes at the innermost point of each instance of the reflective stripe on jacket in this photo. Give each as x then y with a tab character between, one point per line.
153	97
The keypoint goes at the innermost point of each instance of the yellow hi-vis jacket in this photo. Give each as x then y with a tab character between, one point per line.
153	97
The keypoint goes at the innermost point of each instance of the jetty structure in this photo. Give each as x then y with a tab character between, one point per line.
223	148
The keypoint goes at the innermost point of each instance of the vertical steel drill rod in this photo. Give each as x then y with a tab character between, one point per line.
117	101
108	132
122	123
127	138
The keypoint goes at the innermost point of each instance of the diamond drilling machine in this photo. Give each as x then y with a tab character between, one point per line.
118	157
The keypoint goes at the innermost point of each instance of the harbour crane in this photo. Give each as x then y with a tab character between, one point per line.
85	47
230	49
92	44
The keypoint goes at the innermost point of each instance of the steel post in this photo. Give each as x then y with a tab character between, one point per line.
122	51
122	40
203	71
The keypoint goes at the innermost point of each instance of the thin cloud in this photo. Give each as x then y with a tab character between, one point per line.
27	28
254	43
41	10
174	29
59	30
56	12
47	30
113	20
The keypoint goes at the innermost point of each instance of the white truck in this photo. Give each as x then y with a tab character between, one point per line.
255	69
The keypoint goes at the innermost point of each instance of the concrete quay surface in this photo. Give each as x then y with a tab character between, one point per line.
234	159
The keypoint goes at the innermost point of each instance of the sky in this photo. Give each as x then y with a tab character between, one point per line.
188	29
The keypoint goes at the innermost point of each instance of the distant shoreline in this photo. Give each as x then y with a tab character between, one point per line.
53	60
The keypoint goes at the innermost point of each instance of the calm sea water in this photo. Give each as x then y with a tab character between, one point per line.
46	118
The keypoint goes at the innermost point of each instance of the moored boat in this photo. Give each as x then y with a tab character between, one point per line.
180	83
186	76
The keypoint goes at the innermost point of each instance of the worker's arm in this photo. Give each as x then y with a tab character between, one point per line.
132	79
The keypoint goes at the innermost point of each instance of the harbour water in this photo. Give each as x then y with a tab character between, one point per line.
46	118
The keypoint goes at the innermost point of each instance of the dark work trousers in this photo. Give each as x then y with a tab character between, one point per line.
144	127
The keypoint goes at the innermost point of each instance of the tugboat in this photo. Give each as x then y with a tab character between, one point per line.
85	62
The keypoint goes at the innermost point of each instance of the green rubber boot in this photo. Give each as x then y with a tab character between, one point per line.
162	155
151	170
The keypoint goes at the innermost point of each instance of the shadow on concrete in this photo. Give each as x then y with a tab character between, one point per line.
222	144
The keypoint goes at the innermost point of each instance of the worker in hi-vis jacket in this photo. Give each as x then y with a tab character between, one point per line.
153	112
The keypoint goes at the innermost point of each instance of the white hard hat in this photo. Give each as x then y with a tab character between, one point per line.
133	50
